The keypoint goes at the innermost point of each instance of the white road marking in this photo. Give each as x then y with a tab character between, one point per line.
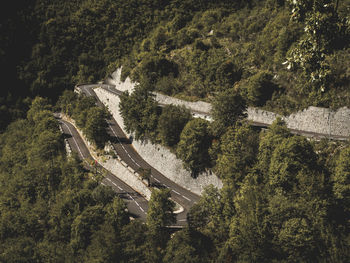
86	89
106	178
186	198
115	184
136	163
176	192
137	203
128	195
74	140
122	145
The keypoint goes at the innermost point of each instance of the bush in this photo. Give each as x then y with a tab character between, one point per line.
260	88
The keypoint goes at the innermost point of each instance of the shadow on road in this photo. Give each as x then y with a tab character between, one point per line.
121	140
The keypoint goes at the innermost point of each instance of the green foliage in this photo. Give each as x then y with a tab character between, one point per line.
249	232
145	174
341	179
293	166
239	147
160	211
159	216
227	108
171	123
227	74
269	140
140	113
96	124
154	67
89	117
50	210
324	31
187	246
193	146
259	88
281	202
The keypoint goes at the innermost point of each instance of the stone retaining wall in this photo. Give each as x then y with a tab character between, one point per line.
158	156
115	167
312	119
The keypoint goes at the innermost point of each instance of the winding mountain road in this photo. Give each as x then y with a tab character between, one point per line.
136	203
206	115
127	153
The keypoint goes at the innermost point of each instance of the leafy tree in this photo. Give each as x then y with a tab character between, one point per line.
46	146
324	30
104	246
294	167
260	88
193	146
96	124
81	109
227	74
84	225
228	107
134	241
160	211
341	186
67	101
239	147
38	104
159	216
187	246
140	113
269	140
208	215
154	67
250	234
145	174
171	123
117	215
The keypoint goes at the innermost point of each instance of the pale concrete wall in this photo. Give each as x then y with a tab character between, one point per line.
312	119
321	120
116	167
159	156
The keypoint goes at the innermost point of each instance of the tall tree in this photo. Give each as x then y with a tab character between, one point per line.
193	146
159	216
239	148
140	113
96	124
171	123
228	107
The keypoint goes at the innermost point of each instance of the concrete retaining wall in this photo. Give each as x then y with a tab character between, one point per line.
312	119
158	156
116	167
126	175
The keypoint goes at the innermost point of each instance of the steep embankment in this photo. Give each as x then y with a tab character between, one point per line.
158	156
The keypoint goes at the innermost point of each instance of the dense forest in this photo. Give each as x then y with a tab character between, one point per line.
284	199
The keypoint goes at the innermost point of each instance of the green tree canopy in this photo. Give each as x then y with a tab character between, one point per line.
171	123
341	186
193	146
260	88
228	107
239	148
140	113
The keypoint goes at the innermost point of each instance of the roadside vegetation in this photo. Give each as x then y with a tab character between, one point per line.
284	198
91	119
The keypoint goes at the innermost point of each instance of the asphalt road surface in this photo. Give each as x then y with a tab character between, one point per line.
128	154
136	203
